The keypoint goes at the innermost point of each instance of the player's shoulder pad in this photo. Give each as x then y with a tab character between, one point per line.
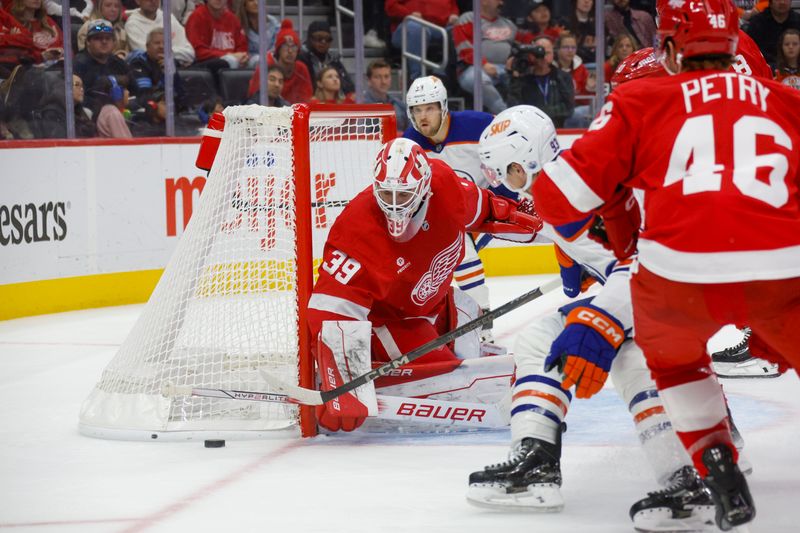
467	126
573	230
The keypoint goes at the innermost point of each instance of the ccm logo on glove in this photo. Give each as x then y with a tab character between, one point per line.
610	331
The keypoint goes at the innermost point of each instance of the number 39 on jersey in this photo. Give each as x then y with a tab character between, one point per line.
341	267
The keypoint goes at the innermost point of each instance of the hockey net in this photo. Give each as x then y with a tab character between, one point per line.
232	299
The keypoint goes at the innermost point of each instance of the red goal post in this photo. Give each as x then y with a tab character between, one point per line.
233	298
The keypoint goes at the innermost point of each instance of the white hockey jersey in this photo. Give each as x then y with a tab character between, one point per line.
615	296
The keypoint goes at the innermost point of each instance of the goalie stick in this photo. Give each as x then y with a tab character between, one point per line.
305	396
418	410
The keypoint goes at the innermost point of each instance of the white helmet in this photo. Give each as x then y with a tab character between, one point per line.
402	183
522	134
427	90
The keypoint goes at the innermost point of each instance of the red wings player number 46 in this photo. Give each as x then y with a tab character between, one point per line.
716	154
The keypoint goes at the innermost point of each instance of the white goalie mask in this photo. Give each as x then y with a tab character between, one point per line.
427	90
521	134
402	183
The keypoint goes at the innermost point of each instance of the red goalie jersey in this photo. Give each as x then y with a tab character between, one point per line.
717	155
367	275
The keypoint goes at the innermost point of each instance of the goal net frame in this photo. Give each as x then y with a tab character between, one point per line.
147	413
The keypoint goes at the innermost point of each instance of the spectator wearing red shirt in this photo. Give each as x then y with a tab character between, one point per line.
440	12
217	37
297	87
27	35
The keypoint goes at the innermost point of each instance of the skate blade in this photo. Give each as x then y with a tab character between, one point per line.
544	498
661	520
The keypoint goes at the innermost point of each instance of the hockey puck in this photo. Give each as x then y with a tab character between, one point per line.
215	444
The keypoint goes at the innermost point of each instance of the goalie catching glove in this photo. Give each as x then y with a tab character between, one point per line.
510	220
343	353
585	349
616	224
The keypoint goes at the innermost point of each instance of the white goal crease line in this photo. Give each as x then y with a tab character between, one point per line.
399	408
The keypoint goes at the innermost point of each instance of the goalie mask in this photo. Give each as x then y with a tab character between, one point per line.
427	90
522	134
697	28
402	183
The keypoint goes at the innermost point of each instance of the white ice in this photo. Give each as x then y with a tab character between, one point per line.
54	479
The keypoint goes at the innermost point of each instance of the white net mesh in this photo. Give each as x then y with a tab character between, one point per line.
227	302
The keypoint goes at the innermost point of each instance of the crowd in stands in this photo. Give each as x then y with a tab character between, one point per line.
539	52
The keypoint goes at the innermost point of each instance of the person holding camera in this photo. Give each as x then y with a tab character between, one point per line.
536	81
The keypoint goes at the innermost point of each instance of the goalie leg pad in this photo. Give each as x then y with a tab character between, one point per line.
343	353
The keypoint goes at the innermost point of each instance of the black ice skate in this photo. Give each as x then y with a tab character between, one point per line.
738	362
529	481
728	488
685	505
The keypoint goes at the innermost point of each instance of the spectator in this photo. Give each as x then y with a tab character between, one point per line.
275	80
376	24
787	65
544	86
248	17
148	17
624	45
581	24
379	80
329	88
440	12
52	121
152	120
765	27
147	70
98	60
217	37
110	10
540	21
79	10
27	35
297	87
183	9
497	39
209	107
109	101
568	61
316	55
640	24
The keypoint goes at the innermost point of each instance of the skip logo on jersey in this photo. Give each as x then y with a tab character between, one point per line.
441	267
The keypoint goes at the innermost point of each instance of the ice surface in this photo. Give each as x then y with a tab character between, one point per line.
54	479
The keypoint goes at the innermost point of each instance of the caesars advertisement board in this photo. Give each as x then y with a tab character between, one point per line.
86	210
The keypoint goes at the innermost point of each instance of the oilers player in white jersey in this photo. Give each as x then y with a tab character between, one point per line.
513	149
453	138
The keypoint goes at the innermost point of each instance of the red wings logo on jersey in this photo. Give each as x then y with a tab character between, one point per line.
441	267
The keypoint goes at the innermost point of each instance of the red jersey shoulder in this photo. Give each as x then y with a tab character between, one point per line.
449	187
749	59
